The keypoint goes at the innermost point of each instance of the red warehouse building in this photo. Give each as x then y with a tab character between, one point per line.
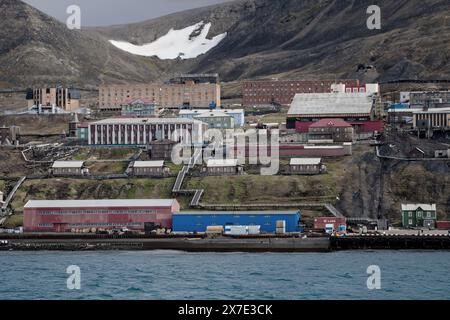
357	109
65	215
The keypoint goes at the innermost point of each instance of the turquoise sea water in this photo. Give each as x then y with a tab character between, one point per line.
179	275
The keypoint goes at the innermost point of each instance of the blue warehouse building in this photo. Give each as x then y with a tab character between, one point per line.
198	221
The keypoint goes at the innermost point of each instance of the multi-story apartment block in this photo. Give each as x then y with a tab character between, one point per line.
64	98
187	91
262	92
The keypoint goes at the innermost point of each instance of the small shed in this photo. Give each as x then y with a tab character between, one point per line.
223	167
69	168
161	149
149	168
306	166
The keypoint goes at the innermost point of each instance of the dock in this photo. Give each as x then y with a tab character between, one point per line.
390	242
188	244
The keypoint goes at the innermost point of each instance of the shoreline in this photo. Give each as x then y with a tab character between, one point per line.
66	242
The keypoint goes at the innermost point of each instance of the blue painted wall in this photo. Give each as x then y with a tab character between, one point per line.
199	221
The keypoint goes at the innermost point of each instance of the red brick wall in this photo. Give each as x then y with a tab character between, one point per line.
283	91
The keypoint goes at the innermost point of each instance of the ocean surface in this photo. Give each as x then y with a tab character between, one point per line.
179	275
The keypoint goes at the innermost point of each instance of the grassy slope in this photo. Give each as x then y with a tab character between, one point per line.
354	179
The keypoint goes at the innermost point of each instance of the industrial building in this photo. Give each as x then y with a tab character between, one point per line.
67	215
419	215
142	131
428	99
437	119
334	130
357	109
222	167
306	166
149	168
237	114
291	150
65	98
199	221
69	168
195	91
267	92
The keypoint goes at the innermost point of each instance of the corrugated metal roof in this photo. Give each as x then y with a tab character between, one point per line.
212	114
305	161
200	111
415	206
330	122
331	104
148	164
99	203
403	110
222	163
147	121
433	110
68	164
324	147
237	212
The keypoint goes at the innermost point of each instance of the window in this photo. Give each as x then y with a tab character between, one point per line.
410	222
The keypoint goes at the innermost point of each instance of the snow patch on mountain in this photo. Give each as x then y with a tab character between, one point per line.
187	43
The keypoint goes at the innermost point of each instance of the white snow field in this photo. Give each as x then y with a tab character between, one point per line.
176	43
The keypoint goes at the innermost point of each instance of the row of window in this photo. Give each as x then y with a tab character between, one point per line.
229	224
420	214
104	224
91	225
235	217
76	212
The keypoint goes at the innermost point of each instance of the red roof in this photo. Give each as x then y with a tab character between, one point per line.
330	123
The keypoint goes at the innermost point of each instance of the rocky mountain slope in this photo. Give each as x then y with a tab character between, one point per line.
264	38
35	49
313	38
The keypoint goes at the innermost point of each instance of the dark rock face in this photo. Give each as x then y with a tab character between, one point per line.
265	38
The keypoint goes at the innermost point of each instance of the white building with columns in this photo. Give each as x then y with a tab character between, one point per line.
141	131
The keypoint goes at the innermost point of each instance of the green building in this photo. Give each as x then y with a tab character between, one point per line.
419	215
83	131
139	108
216	120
